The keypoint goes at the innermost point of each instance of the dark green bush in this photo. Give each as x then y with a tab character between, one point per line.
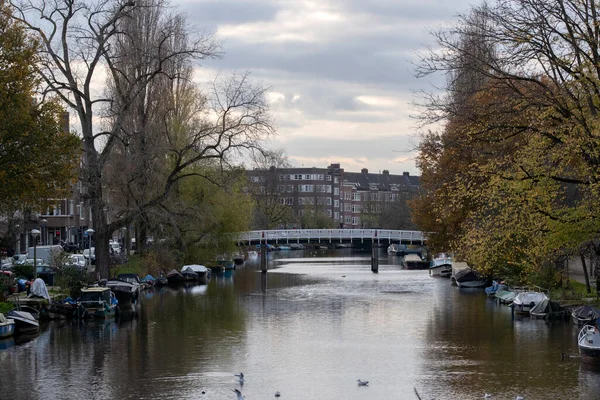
23	271
72	279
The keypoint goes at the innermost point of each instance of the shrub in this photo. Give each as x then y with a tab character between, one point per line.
72	279
5	284
23	271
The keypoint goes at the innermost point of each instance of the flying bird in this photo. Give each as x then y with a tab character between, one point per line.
239	394
362	383
240	377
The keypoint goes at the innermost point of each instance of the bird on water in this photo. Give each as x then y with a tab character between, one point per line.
362	383
239	394
277	394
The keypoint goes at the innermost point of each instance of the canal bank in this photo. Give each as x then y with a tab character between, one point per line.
323	321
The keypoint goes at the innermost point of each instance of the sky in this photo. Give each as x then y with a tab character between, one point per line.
340	73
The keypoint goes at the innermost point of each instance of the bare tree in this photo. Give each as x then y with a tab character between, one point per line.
267	190
82	43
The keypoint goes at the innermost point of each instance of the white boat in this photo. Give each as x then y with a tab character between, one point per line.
414	261
7	326
24	321
589	344
525	301
441	265
201	270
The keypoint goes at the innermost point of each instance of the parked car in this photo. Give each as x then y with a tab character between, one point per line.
115	247
19	259
86	254
77	260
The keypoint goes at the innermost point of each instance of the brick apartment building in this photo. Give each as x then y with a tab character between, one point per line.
350	199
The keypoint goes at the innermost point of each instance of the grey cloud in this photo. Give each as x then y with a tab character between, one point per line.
212	13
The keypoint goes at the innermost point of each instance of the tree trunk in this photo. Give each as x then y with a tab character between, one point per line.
585	273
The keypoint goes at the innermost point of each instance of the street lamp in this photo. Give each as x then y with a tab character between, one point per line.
35	233
44	231
89	232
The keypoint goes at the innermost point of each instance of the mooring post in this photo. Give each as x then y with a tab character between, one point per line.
263	254
375	255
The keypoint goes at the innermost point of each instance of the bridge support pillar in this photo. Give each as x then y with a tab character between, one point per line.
374	257
263	257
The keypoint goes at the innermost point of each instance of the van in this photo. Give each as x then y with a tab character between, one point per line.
46	253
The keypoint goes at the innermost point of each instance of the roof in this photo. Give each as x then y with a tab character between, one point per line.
381	181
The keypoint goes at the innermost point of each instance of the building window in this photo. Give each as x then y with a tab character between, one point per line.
347	207
328	188
307	177
336	215
328	177
289	188
71	207
336	179
356	196
329	213
348	219
347	195
336	191
336	204
298	177
355	208
329	201
355	220
321	177
280	177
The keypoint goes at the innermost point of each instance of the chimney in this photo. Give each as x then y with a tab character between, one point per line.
386	172
405	173
364	171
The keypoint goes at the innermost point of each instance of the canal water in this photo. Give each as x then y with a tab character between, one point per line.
320	321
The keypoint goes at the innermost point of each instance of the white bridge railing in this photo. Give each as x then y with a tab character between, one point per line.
292	235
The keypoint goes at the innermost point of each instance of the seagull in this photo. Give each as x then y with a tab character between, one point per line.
241	377
487	396
519	398
239	394
277	394
362	383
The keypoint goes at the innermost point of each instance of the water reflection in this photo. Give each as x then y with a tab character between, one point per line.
309	328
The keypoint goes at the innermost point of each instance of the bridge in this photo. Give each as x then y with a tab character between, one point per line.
379	236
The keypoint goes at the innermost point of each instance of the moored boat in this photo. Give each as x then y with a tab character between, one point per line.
469	278
189	275
441	265
175	278
588	342
126	292
525	301
203	273
585	314
24	321
7	326
97	302
414	261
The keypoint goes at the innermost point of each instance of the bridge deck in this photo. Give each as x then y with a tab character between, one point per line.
332	235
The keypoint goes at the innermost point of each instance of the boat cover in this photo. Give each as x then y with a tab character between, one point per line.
506	295
39	289
195	268
526	298
586	313
149	278
546	307
466	275
490	290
